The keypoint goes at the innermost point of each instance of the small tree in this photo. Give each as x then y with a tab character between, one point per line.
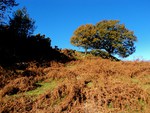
83	36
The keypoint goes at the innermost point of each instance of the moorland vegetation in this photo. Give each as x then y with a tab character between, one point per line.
37	78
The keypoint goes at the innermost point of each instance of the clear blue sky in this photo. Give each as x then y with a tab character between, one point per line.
58	19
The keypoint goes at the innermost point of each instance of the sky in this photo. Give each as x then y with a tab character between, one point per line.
58	19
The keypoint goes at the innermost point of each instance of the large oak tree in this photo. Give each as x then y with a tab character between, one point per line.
107	35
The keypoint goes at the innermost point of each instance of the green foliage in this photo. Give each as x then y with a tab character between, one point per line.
97	52
83	36
115	38
109	36
44	86
103	54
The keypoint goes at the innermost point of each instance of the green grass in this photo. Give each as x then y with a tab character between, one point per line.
135	81
44	86
90	84
141	84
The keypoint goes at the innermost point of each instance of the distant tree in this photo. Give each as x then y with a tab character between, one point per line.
108	36
5	7
83	36
115	38
21	23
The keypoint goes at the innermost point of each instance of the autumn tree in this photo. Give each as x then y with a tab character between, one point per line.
115	38
108	36
83	36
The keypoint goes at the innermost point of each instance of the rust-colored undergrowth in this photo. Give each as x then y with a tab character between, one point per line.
90	85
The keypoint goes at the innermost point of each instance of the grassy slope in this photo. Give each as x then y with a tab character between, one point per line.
89	85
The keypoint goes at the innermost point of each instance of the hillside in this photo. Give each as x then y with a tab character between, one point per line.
86	85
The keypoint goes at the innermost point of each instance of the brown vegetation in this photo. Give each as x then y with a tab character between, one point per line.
90	85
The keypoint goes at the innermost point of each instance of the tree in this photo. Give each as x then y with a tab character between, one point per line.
83	36
108	36
6	5
21	27
115	38
21	23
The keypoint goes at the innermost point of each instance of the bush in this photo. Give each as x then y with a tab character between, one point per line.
97	52
103	54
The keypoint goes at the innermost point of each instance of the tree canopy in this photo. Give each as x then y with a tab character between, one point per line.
6	5
83	36
17	42
21	23
107	35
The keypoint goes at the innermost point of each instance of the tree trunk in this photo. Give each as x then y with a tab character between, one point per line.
85	50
